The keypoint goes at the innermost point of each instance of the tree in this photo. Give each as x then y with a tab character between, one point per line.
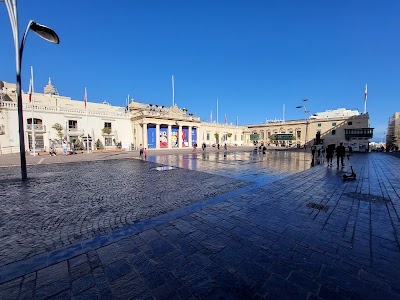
99	144
216	137
58	127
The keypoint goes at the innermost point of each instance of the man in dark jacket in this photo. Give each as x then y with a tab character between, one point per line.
340	153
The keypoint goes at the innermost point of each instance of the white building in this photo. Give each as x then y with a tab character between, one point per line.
54	118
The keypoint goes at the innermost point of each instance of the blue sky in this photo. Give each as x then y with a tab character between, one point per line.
254	56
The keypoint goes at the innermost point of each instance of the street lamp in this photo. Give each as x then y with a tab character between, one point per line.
306	112
45	33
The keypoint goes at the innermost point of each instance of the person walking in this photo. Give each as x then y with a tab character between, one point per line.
313	148
145	153
65	147
141	151
329	156
322	154
225	147
340	153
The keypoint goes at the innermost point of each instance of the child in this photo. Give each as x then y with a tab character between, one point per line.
145	153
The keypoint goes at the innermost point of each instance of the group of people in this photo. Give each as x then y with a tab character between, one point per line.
320	154
142	152
66	147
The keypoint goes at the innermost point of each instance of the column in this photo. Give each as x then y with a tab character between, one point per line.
180	137
190	136
169	136
157	136
144	136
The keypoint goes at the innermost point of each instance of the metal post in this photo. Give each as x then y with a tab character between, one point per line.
18	54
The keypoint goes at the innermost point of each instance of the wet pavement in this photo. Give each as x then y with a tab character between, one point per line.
238	226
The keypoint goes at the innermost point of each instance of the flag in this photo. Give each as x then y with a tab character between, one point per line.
366	92
30	90
211	117
85	98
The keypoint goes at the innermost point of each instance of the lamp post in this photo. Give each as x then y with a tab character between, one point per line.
45	33
306	112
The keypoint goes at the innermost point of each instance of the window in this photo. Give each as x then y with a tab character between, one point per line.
334	132
334	124
107	125
319	124
269	134
108	141
298	134
208	136
350	123
235	138
72	124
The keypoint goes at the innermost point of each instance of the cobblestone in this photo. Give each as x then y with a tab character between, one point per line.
262	241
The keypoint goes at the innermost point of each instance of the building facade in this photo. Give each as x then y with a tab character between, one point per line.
393	132
50	119
327	128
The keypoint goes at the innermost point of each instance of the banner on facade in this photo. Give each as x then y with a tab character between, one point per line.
151	136
163	136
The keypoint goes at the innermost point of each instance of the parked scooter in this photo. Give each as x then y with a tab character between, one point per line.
353	175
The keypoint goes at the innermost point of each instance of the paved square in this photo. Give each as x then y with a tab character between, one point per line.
237	228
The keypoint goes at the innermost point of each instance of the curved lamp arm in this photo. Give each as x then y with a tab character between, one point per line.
43	31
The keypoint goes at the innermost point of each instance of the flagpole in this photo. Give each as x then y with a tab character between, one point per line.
87	124
365	98
33	122
217	110
173	91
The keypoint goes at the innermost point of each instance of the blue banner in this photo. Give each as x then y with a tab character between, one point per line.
194	136
151	136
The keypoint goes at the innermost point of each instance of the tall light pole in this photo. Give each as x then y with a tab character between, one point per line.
306	112
45	33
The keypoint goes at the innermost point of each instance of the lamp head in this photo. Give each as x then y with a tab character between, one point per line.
305	99
44	32
299	106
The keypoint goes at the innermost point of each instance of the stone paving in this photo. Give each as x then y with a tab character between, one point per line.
306	235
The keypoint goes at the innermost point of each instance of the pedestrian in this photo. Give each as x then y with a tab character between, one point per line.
350	150
322	154
340	153
65	146
329	156
140	151
313	148
194	146
264	148
145	153
225	147
218	146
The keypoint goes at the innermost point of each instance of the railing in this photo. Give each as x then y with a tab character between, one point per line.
75	131
112	133
38	127
28	107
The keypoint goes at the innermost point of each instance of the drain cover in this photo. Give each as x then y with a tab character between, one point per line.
318	206
164	168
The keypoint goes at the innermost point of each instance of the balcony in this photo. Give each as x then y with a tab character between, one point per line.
112	133
75	131
2	130
359	133
37	127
